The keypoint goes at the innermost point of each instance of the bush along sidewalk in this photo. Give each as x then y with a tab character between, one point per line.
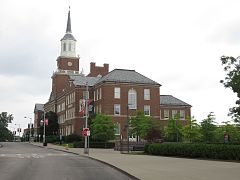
208	151
105	145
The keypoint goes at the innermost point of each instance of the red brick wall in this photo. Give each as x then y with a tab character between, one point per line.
96	70
64	63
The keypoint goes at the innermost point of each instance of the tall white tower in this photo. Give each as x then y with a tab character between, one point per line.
68	42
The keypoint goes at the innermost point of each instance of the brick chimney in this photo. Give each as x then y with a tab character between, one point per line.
98	70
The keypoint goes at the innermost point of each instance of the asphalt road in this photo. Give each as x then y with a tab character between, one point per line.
22	161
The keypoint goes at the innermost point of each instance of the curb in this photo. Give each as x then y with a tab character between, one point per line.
118	169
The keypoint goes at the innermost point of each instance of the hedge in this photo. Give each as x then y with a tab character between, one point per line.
80	144
208	151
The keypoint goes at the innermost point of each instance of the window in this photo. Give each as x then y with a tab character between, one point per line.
174	113
132	99
117	93
166	114
117	128
85	94
182	114
147	110
64	47
97	95
100	93
117	109
94	96
69	47
146	94
100	109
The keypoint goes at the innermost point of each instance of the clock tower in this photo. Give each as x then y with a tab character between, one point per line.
67	59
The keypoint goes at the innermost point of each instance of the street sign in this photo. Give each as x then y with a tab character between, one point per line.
86	132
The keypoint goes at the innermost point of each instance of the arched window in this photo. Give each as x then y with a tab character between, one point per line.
132	99
69	47
64	46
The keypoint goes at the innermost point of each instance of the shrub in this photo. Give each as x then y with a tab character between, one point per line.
52	139
209	151
80	144
72	138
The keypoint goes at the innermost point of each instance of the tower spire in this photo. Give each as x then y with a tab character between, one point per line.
69	29
68	42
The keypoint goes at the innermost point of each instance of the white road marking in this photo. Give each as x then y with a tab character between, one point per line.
32	155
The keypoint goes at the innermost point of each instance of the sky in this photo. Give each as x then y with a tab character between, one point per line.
175	43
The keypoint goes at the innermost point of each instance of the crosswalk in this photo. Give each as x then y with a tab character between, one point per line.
31	155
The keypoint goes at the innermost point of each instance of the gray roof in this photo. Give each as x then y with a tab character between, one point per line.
170	100
38	107
68	36
126	76
80	80
69	29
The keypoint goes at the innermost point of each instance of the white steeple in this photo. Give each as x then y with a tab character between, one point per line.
68	42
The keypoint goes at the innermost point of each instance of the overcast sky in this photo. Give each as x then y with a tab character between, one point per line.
176	43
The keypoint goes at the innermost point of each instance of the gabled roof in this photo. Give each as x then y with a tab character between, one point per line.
38	107
171	100
126	76
80	80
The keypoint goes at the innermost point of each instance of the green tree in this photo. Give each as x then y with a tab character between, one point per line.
231	130
52	127
102	128
5	133
173	131
232	81
191	131
207	128
145	127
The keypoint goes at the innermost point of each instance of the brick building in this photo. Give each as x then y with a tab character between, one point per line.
118	93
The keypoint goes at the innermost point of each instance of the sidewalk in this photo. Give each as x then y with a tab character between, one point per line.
162	168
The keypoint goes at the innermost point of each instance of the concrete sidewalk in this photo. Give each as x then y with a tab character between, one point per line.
162	168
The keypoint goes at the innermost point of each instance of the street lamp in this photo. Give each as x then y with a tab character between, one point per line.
86	139
29	127
19	130
128	126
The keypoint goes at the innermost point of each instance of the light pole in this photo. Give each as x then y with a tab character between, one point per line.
29	127
86	150
44	130
18	129
127	128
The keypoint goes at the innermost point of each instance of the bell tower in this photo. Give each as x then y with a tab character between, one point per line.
67	59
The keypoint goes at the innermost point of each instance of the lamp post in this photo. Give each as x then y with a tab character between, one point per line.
29	127
44	130
86	150
18	129
127	129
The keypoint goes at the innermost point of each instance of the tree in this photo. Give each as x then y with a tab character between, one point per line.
207	128
102	128
145	127
52	127
191	131
232	81
4	131
231	130
173	131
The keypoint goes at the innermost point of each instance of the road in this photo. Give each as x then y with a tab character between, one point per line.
22	161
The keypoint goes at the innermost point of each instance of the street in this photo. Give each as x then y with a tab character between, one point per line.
23	161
